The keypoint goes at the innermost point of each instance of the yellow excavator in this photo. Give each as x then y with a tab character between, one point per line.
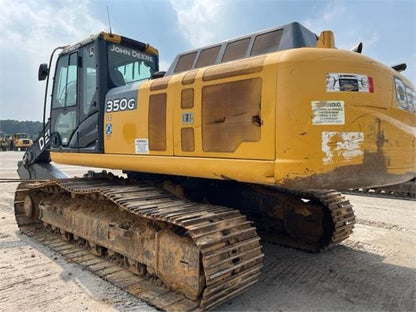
237	142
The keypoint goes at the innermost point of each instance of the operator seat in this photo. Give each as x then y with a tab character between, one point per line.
117	78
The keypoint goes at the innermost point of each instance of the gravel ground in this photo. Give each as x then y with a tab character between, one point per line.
373	270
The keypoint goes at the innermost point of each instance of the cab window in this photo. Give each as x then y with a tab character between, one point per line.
89	78
128	65
64	100
65	90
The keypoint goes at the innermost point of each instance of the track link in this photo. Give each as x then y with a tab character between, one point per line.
229	247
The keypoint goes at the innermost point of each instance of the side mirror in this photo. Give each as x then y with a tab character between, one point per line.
43	72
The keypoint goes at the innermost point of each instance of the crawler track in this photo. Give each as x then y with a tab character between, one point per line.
230	251
225	245
337	225
406	190
342	216
308	220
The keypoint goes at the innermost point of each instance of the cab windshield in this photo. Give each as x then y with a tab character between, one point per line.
22	135
128	65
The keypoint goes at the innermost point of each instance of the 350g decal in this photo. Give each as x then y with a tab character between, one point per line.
119	105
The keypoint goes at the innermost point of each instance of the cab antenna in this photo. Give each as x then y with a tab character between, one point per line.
108	16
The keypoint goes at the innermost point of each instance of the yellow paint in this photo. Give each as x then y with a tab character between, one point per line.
151	50
300	154
291	146
111	37
241	170
326	40
263	150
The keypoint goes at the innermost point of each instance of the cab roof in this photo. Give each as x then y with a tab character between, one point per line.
110	37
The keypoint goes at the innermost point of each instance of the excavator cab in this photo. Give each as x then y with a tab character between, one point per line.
84	74
95	70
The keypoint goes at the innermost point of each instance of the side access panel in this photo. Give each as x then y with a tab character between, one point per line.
223	111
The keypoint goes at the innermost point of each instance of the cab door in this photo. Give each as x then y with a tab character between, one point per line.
75	110
86	136
64	110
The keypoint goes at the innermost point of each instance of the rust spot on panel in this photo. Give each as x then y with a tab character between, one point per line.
380	136
257	120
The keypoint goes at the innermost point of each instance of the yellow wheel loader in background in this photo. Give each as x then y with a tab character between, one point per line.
21	142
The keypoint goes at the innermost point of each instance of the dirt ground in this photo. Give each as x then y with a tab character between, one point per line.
373	270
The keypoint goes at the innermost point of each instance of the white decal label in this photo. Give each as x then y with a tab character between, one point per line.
118	105
328	112
187	118
339	82
142	146
406	95
341	146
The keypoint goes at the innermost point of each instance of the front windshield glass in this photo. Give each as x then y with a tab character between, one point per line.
128	65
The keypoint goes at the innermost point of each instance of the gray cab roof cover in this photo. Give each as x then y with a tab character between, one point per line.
290	36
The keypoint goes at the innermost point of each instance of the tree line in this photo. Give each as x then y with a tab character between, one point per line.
10	127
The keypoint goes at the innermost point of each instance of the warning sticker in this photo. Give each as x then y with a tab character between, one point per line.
339	82
328	112
142	146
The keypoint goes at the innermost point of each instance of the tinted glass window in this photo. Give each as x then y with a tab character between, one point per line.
128	65
208	57
89	78
185	62
65	88
236	50
267	42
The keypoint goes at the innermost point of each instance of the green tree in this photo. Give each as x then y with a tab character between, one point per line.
10	127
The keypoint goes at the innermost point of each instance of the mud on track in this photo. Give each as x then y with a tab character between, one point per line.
373	270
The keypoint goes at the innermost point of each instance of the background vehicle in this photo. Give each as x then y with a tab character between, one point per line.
21	142
264	126
3	142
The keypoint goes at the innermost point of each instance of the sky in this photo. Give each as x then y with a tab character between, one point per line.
31	29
